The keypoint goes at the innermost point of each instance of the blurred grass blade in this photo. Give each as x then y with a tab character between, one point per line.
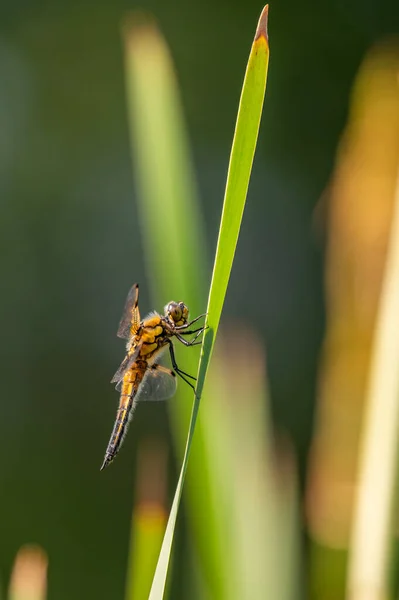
241	158
29	575
171	225
149	517
258	482
169	209
378	461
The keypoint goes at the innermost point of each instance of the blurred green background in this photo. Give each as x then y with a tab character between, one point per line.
71	245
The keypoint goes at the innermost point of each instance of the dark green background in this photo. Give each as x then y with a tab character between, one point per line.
70	241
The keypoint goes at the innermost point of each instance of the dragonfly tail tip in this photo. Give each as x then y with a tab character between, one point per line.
105	463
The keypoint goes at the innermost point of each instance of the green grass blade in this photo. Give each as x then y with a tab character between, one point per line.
241	158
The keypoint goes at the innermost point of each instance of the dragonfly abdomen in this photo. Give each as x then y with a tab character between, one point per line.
127	404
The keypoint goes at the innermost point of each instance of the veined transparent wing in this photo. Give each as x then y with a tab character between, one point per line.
131	314
125	365
159	383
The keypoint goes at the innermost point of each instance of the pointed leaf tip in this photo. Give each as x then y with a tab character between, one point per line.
261	30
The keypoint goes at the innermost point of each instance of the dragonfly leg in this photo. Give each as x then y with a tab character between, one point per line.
198	334
179	372
187	325
191	342
192	331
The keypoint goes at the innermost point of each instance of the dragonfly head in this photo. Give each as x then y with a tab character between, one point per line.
177	312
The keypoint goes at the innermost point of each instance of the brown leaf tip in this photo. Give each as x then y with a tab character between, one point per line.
261	30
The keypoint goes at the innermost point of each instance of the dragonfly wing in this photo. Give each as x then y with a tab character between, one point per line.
130	320
125	366
159	383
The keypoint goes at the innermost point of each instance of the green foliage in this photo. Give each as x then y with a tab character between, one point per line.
241	159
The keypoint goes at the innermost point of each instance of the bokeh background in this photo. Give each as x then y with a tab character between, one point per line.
308	266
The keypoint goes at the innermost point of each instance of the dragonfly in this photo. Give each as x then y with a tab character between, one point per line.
140	376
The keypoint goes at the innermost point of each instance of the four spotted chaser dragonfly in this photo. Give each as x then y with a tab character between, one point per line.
139	377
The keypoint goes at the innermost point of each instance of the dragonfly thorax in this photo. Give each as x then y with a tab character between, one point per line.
177	312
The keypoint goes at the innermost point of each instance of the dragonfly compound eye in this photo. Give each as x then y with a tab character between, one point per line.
174	311
184	311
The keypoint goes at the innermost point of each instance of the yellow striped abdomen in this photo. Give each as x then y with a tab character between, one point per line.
130	386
